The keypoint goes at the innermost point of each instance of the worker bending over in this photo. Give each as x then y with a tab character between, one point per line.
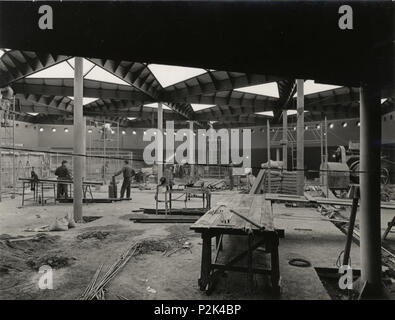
63	173
128	173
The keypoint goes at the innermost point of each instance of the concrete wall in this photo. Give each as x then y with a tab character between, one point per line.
29	135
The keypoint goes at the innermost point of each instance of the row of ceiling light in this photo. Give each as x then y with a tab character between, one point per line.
317	126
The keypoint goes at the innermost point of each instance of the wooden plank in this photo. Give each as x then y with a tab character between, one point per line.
255	212
267	215
93	183
318	200
241	204
258	182
285	197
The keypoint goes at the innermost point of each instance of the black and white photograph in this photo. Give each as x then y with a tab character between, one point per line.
201	157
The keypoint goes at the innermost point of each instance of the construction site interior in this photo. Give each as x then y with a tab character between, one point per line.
269	167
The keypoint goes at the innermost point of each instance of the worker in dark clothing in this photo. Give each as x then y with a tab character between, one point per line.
34	180
63	173
127	173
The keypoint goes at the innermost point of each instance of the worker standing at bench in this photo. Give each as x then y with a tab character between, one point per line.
128	173
62	173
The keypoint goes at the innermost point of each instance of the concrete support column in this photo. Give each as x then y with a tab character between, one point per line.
277	154
78	146
269	182
84	159
191	159
285	139
1	169
300	137
370	230
160	141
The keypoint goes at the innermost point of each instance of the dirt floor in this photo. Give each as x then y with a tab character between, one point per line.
167	265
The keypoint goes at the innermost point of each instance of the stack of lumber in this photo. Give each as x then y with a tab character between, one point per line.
288	183
275	181
280	182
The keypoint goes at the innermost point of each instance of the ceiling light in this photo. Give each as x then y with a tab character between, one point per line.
306	128
123	132
41	129
331	125
131	118
134	132
89	130
358	123
344	124
112	131
145	132
66	130
318	126
53	129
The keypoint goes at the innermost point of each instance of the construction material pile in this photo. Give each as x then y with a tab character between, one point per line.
96	288
274	181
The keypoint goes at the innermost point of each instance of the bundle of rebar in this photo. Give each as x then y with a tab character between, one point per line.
96	288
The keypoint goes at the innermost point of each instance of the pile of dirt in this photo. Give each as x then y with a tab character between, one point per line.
11	260
55	261
176	240
100	235
148	246
15	250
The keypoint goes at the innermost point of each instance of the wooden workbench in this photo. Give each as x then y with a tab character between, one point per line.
183	194
256	209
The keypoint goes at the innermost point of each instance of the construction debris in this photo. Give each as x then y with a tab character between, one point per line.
182	211
55	261
96	288
274	180
164	220
94	234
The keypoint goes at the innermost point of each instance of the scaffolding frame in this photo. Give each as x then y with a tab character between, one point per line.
7	122
105	143
320	136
